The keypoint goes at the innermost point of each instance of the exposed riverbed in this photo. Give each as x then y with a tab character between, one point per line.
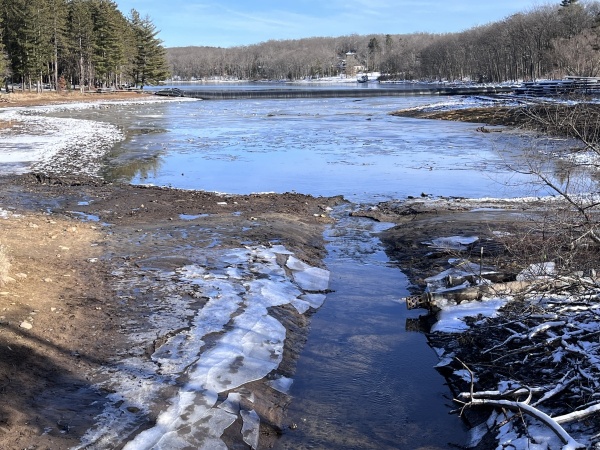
362	377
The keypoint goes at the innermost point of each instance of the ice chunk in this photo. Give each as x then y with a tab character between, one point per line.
234	272
282	384
250	428
452	242
232	403
270	293
476	434
462	268
240	285
307	301
294	263
300	305
465	375
281	250
192	271
312	279
315	300
450	319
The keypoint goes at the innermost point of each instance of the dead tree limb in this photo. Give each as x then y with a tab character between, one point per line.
569	442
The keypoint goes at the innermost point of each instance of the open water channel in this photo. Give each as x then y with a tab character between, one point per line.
363	380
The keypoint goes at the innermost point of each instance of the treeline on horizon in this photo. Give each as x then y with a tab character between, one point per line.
549	41
83	43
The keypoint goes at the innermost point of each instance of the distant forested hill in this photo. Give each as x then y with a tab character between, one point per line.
545	42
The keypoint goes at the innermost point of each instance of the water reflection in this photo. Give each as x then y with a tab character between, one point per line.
364	381
142	168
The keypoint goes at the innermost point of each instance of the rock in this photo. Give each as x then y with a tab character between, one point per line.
26	325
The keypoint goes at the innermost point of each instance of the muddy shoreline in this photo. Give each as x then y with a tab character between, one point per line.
90	256
105	249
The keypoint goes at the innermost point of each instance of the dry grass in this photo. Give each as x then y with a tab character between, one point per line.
45	98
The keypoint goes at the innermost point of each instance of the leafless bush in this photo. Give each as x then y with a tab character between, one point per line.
566	230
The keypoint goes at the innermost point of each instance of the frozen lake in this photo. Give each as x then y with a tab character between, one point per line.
363	381
325	147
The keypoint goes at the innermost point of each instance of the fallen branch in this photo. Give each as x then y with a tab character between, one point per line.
560	387
553	424
578	415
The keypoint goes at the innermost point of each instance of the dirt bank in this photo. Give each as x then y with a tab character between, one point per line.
75	245
53	98
578	118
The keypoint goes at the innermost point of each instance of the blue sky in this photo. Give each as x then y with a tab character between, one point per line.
228	23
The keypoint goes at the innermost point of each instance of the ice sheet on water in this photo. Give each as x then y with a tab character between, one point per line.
246	343
58	144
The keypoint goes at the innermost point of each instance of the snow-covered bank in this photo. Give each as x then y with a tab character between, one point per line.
33	141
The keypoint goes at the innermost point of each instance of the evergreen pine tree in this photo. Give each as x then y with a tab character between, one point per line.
81	40
57	10
110	30
3	58
150	62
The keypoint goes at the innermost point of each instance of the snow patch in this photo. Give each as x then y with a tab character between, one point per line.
451	318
